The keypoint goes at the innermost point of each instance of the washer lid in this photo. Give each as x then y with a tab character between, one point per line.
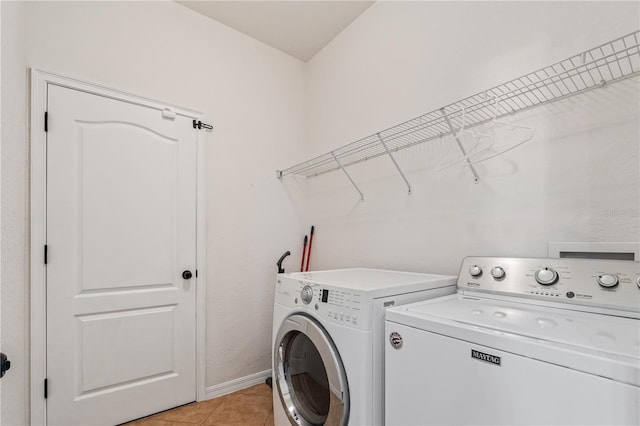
601	344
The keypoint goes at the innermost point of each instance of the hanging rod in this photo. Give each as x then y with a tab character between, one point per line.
604	64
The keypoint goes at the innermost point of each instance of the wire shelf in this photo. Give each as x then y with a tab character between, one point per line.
613	61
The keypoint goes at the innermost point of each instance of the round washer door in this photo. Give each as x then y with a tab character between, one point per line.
310	377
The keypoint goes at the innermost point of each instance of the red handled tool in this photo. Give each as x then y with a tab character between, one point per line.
309	252
304	252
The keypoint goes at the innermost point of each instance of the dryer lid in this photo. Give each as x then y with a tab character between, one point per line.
378	281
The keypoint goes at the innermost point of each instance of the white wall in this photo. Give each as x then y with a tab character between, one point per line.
403	59
0	196
13	211
252	93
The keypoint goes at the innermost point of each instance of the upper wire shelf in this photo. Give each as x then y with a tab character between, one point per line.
616	60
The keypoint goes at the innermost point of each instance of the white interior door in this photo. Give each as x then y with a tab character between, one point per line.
121	229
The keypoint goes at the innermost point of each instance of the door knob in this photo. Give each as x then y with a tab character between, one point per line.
187	275
5	364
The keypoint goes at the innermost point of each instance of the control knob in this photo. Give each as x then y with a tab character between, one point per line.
475	271
306	294
607	280
638	281
546	276
497	272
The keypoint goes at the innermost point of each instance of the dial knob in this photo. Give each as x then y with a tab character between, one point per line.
607	280
638	281
306	294
475	271
497	272
546	276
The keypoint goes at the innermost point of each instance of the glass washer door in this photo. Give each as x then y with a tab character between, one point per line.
310	377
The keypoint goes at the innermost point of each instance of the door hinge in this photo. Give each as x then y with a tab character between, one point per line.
46	121
168	113
46	388
46	249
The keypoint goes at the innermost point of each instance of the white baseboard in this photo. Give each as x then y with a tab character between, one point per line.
236	384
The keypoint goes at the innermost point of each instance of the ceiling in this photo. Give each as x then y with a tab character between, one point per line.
299	28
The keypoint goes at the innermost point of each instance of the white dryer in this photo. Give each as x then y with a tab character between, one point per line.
328	342
524	341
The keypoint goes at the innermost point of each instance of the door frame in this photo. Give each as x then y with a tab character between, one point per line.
38	319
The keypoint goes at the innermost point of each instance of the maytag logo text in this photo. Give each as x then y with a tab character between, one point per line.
485	357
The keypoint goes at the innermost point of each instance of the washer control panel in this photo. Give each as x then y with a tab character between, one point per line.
611	284
339	305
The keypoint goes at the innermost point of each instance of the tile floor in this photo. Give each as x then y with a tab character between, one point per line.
251	406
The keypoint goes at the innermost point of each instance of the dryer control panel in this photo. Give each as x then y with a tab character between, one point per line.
607	284
343	306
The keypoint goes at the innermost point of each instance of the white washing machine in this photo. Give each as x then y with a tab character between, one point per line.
328	342
524	341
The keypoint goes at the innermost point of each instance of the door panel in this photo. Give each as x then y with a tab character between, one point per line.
108	339
121	211
134	205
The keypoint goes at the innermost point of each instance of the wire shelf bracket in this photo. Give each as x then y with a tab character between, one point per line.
476	179
614	61
348	176
395	163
